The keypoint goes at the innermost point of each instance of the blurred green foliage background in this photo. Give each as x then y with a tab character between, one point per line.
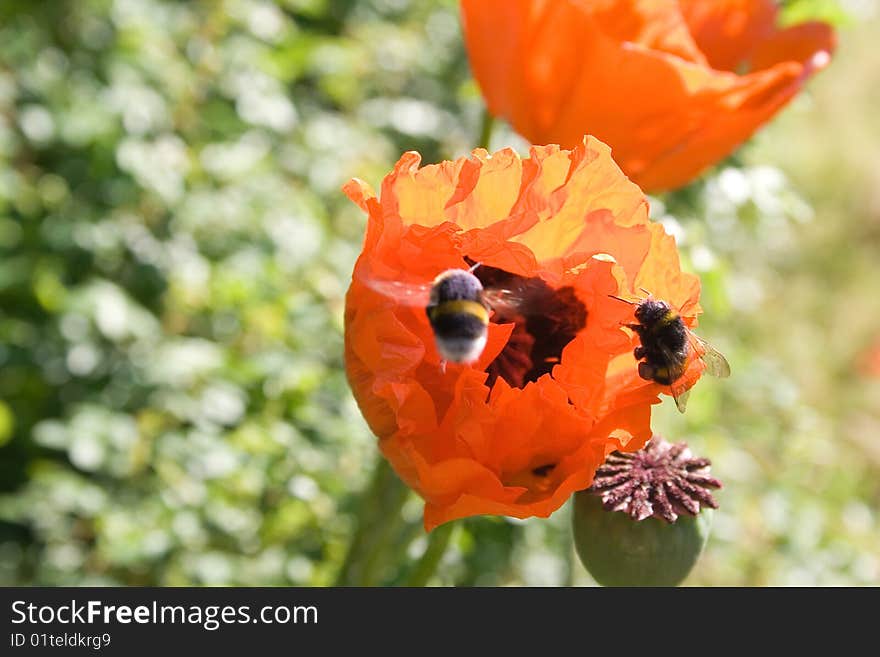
175	250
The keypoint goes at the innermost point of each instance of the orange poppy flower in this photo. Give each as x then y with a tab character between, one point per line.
870	361
673	87
555	389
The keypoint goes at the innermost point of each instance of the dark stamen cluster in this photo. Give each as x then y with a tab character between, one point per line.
663	480
546	321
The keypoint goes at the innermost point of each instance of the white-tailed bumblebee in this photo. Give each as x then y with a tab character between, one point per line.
666	342
457	305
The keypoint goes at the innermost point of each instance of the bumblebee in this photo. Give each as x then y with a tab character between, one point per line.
666	342
458	307
458	311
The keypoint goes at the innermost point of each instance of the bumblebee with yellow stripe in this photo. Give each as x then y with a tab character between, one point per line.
666	342
459	315
458	309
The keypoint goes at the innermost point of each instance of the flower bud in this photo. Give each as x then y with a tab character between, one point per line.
647	517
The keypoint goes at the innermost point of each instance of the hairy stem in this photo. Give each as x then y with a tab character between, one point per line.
379	518
438	540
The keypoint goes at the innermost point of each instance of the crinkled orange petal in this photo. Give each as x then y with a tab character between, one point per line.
419	195
559	70
594	193
660	275
488	186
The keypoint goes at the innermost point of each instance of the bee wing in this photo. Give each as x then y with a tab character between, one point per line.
503	301
681	398
406	293
716	363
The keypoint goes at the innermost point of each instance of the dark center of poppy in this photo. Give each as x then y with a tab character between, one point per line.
545	319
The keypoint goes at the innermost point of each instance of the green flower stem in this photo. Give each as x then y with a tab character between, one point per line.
379	519
486	126
438	540
388	556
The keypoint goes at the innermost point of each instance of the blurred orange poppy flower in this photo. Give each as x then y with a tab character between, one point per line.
522	428
673	87
870	361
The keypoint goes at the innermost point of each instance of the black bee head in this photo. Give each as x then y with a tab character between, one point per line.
650	311
455	285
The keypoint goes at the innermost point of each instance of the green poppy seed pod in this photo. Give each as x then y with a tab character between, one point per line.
647	517
619	551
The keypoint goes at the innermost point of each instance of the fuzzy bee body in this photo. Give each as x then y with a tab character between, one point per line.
459	315
664	339
666	342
